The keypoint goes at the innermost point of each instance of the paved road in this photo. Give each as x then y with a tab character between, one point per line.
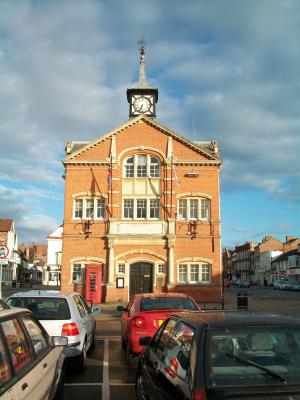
108	377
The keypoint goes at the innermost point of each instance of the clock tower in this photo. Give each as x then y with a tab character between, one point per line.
142	98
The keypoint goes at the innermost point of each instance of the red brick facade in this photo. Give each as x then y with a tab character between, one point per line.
180	242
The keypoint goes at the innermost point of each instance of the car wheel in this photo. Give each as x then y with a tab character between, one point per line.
123	343
93	342
140	387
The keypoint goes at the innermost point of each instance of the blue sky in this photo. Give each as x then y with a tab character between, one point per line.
226	70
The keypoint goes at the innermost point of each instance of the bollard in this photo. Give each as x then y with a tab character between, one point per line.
242	301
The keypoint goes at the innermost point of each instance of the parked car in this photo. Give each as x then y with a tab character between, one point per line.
31	362
221	355
295	285
282	284
242	283
62	314
227	283
146	312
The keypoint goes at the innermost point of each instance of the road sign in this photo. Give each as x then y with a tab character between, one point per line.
3	261
3	251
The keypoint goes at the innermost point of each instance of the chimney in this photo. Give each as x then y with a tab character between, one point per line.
288	238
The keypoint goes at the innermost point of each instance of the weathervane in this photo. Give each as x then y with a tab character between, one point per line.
142	43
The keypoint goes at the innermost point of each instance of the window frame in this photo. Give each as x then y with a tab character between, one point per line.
141	170
204	271
194	208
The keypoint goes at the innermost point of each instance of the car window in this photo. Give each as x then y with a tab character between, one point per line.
86	307
44	308
38	337
167	303
159	341
275	348
5	374
80	306
17	343
177	350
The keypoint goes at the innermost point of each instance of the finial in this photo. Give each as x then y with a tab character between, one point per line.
142	43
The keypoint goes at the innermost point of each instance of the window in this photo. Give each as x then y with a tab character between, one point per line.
154	209
128	208
141	208
154	167
36	334
5	375
194	273
17	344
121	268
141	166
100	208
85	208
77	273
194	209
182	212
161	268
78	208
182	273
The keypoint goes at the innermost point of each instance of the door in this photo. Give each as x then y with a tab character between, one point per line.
93	283
140	278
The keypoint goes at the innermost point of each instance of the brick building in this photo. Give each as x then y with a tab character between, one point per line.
142	209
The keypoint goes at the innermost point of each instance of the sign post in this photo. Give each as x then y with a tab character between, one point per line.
3	260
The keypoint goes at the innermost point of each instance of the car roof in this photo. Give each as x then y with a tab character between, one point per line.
43	293
161	295
8	312
219	318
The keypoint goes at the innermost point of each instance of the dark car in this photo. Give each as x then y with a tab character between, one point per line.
221	355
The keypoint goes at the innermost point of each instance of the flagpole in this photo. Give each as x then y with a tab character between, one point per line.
111	191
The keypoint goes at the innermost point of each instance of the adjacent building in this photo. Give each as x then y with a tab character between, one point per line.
8	237
52	269
142	209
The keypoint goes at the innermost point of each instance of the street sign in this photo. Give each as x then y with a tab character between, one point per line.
3	251
3	261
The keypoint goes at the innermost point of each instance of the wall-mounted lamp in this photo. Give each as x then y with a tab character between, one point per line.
86	227
192	174
192	229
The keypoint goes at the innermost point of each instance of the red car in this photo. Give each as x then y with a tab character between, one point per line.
146	312
227	283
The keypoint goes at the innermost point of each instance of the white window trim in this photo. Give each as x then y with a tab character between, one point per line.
84	208
135	165
189	281
135	209
188	217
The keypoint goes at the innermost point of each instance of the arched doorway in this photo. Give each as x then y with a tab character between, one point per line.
140	278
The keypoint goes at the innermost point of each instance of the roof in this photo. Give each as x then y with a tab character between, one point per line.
209	152
219	319
42	293
284	256
183	295
6	225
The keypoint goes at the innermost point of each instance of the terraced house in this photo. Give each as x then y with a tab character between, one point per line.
142	209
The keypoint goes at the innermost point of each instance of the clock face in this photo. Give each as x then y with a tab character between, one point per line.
142	104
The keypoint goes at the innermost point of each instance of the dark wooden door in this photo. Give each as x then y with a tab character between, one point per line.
140	278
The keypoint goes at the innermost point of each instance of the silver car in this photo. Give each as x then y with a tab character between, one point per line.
31	363
62	314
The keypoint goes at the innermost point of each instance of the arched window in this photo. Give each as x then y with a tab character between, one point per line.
141	166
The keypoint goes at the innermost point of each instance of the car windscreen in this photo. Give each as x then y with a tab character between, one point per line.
44	308
247	356
167	303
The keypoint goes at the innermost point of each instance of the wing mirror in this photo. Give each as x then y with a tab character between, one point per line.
121	308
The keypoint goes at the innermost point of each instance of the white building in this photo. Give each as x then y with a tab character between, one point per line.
266	259
10	239
52	270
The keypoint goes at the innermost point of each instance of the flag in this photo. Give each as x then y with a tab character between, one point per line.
177	181
109	176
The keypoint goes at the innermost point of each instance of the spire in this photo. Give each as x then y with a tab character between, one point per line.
142	76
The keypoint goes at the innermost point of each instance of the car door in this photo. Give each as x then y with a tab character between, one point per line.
130	310
25	371
156	381
7	392
83	320
46	356
90	321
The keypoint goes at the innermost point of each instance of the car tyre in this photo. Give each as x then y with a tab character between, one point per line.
140	388
93	342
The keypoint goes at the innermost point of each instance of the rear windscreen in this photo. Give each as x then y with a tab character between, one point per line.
167	303
43	308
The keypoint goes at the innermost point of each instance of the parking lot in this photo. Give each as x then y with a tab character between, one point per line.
108	377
